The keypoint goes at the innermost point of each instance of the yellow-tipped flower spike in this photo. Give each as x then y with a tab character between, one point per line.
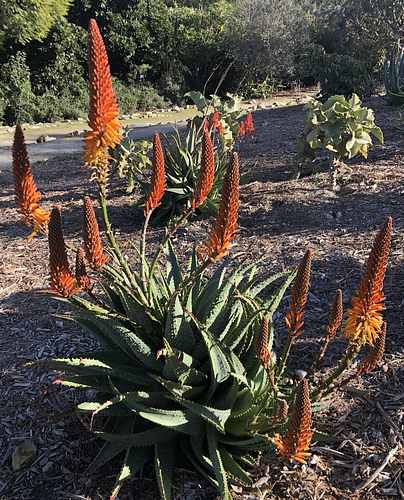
365	318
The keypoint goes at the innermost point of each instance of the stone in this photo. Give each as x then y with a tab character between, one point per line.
45	138
23	455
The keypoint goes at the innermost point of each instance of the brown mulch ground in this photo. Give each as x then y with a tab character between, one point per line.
279	219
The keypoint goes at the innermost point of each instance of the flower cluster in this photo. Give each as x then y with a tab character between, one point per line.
247	126
225	226
295	444
215	122
300	290
62	280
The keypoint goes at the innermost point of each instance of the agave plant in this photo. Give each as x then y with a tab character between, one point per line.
186	372
394	74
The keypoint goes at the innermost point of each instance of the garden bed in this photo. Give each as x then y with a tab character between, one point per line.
279	219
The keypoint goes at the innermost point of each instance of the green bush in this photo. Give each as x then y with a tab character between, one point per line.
134	97
16	91
342	128
345	75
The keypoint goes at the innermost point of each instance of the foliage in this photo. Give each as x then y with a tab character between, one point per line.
134	96
264	36
261	90
16	90
340	127
205	396
394	74
26	20
186	373
349	42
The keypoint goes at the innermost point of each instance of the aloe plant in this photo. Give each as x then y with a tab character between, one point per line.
204	395
186	372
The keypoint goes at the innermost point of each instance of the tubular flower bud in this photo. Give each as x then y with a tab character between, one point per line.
26	192
207	171
62	281
91	234
300	290
158	182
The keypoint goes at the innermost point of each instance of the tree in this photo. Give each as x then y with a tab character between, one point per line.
264	36
26	20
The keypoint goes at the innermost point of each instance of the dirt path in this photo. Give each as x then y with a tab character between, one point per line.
279	219
63	144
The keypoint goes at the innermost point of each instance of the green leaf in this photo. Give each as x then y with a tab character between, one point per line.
135	459
213	416
377	132
164	454
178	330
217	462
219	364
173	272
234	469
110	450
89	366
140	439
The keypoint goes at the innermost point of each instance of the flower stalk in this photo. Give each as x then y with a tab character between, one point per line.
61	279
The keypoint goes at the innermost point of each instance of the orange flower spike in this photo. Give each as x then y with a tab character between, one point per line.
207	171
103	108
26	192
249	124
365	318
241	130
225	226
82	278
216	123
62	281
336	315
262	345
300	291
296	443
158	181
91	234
375	356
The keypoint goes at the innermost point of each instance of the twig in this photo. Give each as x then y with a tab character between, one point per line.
384	464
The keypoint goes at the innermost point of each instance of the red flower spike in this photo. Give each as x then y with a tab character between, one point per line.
26	192
207	171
